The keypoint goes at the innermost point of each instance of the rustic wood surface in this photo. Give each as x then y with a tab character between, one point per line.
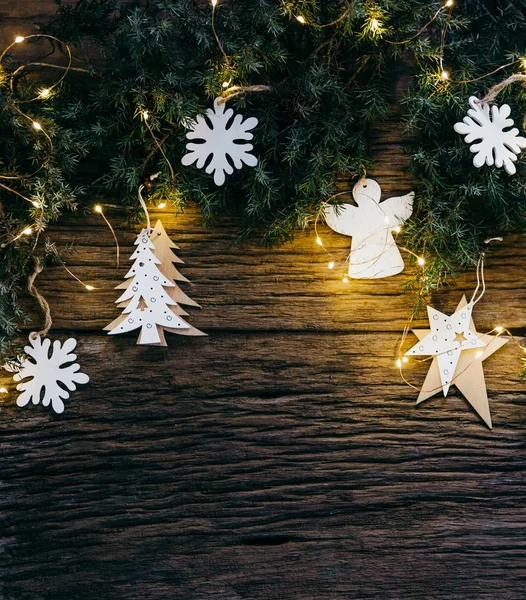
280	458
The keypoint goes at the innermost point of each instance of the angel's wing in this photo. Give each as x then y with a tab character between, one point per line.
398	209
342	218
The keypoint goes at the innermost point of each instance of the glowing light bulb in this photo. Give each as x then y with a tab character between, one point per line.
37	125
98	208
421	261
449	3
398	229
225	84
444	75
399	363
44	93
318	241
405	359
162	205
214	3
89	287
345	280
3	390
331	265
300	19
35	204
19	39
27	231
499	329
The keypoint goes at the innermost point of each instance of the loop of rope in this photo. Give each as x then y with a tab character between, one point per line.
32	289
496	89
480	279
237	90
144	207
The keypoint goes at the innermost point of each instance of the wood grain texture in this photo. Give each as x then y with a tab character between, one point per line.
291	465
281	458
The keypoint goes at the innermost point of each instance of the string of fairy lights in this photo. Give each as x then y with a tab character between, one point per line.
43	94
373	25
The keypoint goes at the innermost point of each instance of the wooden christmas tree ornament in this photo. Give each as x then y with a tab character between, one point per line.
151	299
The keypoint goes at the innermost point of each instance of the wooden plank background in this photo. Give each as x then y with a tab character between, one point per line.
279	458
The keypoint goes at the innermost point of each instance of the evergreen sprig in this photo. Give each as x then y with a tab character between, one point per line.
35	188
332	77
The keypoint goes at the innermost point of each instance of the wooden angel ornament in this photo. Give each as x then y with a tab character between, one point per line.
371	224
151	299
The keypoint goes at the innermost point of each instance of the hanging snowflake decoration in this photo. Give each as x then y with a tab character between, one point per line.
496	144
50	374
218	137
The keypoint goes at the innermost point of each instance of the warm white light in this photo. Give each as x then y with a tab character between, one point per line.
162	205
19	39
225	84
214	2
89	287
44	93
3	390
345	280
37	125
318	241
398	229
499	329
405	359
449	3
331	265
35	204
399	363
98	208
444	75
145	115
27	231
421	261
300	19
374	24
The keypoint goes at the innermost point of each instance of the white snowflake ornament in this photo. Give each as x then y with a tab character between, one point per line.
496	143
219	138
50	373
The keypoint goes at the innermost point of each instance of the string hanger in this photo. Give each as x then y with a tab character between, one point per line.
32	289
143	203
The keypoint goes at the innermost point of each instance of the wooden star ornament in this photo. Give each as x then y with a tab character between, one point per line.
458	352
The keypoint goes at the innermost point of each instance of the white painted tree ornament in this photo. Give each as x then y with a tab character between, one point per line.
150	300
496	144
50	374
374	253
218	137
458	352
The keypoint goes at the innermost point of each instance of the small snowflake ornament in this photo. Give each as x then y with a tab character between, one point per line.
219	138
496	144
49	374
